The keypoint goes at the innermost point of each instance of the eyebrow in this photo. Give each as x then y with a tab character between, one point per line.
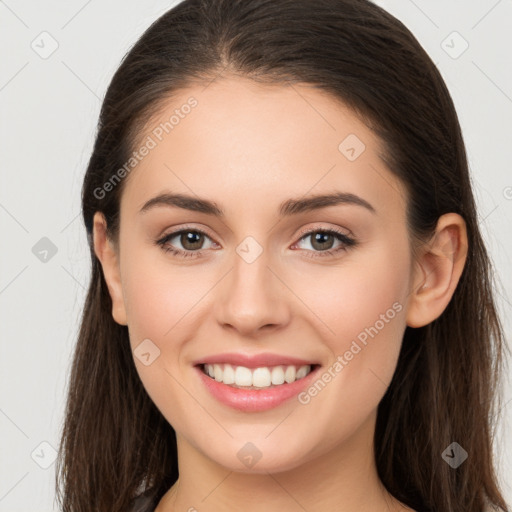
287	208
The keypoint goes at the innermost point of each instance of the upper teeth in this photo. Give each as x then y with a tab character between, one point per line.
257	377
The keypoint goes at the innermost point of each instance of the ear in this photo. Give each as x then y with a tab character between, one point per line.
108	256
438	269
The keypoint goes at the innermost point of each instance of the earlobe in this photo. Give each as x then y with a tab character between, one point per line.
438	270
108	257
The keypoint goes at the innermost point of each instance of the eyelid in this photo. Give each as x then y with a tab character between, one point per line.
180	228
299	235
314	229
347	240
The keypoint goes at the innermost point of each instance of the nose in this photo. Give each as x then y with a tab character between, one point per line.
252	298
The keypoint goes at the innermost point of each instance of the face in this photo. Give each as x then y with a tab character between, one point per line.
326	282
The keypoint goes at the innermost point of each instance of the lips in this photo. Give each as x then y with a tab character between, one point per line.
254	360
254	400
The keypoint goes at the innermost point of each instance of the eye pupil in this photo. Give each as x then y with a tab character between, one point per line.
321	239
191	237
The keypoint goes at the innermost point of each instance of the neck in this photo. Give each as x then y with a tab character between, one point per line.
344	479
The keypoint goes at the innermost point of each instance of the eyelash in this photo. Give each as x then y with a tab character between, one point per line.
347	242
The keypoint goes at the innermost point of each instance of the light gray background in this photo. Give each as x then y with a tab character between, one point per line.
49	109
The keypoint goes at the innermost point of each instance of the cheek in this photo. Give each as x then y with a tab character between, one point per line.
365	310
365	290
159	297
162	301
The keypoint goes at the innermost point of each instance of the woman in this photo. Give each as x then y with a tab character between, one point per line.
290	304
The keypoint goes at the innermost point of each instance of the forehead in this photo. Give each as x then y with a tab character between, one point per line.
238	141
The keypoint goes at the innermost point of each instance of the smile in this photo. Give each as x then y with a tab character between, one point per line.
262	397
256	378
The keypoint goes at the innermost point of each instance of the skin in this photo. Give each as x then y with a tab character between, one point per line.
249	147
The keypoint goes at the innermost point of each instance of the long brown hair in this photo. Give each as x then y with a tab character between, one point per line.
115	442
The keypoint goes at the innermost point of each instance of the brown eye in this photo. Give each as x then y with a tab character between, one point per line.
322	240
191	240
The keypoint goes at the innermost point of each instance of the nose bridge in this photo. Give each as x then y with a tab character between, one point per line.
251	297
